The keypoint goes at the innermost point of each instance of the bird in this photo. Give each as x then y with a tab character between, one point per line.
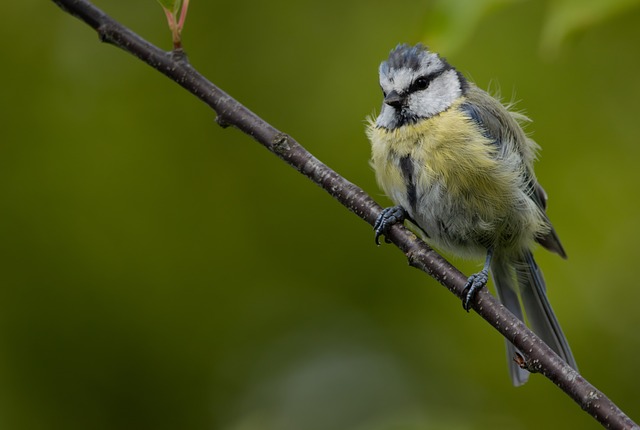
458	166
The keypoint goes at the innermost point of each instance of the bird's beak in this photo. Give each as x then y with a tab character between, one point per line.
394	99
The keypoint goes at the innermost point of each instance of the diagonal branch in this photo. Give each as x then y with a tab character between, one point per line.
540	358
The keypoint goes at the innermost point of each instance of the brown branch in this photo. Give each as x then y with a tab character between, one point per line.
539	357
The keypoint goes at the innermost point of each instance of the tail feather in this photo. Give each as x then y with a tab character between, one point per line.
525	277
504	280
538	309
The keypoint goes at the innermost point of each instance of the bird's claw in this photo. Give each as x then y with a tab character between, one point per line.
387	218
475	283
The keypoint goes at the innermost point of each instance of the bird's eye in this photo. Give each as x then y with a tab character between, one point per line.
421	83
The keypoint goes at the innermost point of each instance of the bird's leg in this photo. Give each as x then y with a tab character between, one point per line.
387	218
476	282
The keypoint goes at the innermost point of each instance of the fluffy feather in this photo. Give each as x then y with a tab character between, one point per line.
459	164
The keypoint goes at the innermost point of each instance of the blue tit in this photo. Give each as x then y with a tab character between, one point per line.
458	165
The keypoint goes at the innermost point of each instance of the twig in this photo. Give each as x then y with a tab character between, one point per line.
539	357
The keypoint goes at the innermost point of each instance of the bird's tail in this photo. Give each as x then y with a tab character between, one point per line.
525	276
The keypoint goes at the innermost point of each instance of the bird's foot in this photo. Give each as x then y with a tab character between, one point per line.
388	217
475	283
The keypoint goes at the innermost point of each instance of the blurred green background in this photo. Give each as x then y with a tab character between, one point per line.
157	271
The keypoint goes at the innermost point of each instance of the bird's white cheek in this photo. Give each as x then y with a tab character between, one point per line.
421	104
438	97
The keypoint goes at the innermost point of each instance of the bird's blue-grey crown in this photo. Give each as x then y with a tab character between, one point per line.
417	84
405	55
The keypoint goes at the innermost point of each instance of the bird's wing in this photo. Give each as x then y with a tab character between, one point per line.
500	126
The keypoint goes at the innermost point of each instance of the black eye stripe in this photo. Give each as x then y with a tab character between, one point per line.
422	82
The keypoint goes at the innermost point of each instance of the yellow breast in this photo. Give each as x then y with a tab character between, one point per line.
451	149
